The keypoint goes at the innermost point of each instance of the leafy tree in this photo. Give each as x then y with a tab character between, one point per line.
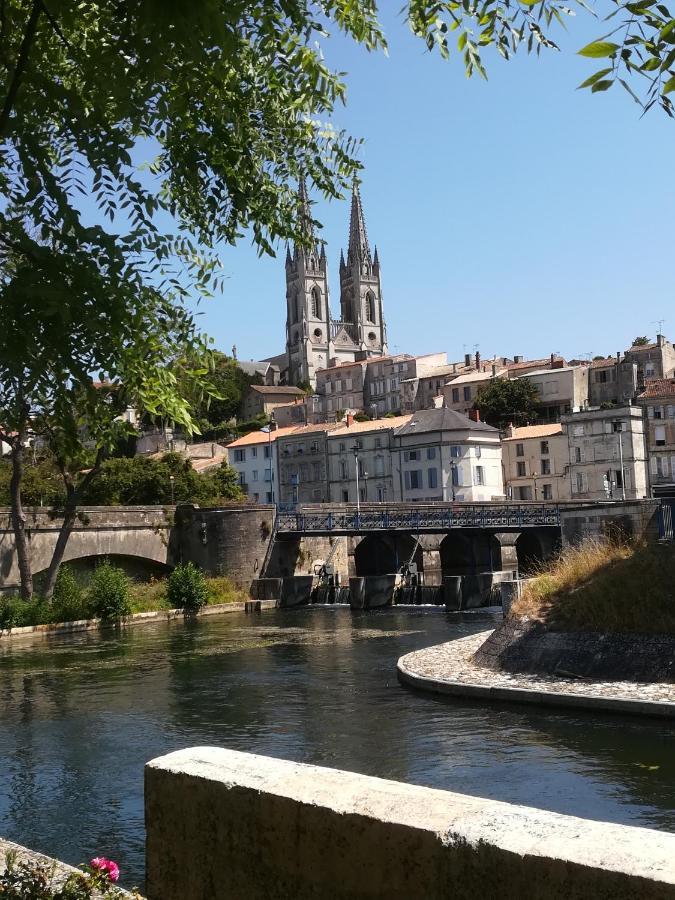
640	341
503	401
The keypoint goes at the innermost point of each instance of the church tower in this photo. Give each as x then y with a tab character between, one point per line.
307	306
360	288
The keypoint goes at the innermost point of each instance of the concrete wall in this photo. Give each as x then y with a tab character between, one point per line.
636	519
226	824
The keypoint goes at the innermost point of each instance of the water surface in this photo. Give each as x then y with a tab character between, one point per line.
82	714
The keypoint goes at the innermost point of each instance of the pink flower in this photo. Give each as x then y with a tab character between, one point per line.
106	866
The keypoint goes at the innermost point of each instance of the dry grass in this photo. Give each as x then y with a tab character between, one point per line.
151	595
604	586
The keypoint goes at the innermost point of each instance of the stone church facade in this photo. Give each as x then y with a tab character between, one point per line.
314	339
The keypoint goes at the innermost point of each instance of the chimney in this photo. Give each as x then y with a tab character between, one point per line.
494	370
349	420
659	340
558	364
477	361
517	359
467	359
508	431
454	368
474	415
552	359
618	357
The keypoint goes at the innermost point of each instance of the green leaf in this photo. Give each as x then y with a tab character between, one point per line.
598	49
596	77
669	86
601	86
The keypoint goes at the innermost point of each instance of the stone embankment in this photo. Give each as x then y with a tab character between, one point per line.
455	668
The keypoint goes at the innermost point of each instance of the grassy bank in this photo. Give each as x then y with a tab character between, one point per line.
603	586
143	597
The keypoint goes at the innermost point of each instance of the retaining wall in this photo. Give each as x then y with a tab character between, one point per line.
225	824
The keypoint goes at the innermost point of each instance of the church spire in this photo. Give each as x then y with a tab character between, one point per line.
358	238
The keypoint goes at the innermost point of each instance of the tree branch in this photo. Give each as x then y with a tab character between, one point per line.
21	63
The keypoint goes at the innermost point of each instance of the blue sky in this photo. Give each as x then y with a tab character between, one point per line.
518	214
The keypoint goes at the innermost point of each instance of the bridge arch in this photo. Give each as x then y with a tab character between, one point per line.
138	568
464	553
384	554
533	548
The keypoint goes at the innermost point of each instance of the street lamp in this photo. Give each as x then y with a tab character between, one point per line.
618	428
355	451
172	480
270	428
534	481
453	478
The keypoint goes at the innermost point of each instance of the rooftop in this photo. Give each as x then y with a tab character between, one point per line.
373	425
277	389
476	376
442	420
261	437
535	431
528	363
658	387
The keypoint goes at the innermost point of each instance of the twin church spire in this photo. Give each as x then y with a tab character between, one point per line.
314	340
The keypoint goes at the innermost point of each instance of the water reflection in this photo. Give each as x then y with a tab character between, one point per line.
81	715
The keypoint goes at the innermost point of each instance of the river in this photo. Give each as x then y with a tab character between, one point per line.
82	714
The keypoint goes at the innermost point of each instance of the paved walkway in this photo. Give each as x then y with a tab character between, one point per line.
448	669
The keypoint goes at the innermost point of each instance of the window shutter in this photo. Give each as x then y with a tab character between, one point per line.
650	412
652	465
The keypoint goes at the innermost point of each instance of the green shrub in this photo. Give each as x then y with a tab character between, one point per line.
14	612
187	588
109	593
69	602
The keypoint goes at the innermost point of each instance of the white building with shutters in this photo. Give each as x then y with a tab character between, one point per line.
658	404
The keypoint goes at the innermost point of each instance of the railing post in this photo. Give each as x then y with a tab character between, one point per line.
330	520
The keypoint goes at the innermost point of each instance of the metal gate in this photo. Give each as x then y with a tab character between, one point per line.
666	517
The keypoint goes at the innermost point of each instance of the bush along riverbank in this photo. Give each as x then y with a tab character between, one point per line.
111	597
602	610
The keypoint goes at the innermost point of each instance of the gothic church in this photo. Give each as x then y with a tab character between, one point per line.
313	338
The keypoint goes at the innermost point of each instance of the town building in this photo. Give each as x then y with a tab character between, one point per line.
536	460
305	410
607	454
440	454
313	337
653	360
262	399
303	464
254	459
612	380
658	404
340	389
367	445
561	390
461	393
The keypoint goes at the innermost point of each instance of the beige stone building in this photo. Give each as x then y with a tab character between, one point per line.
461	393
536	462
303	464
658	404
607	454
562	390
263	399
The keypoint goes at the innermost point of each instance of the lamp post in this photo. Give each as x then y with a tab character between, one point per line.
453	478
172	481
618	427
355	451
534	481
269	453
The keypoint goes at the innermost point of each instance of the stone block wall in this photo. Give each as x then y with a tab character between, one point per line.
635	519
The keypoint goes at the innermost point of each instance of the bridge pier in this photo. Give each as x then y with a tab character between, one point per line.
508	551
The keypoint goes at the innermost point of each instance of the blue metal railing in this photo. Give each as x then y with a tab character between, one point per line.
418	517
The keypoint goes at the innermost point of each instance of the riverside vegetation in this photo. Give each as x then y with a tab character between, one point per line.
111	596
604	586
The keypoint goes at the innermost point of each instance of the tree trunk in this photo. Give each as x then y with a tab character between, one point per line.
19	518
69	517
73	495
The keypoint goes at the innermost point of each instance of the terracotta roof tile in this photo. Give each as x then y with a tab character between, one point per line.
277	389
535	431
658	387
260	437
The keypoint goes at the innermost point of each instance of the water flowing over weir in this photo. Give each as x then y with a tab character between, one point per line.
81	715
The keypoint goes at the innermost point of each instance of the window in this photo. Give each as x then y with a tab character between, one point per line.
370	307
477	453
432	478
316	303
520	450
343	470
268	476
431	453
266	452
467	393
479	475
660	435
455	395
413	480
316	471
578	430
618	477
520	466
547	491
345	496
455	470
411	455
601	377
254	452
455	452
268	495
617	427
658	412
580	483
649	370
341	447
240	455
314	447
378	443
544	447
254	473
524	493
661	466
242	479
546	467
577	454
379	465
